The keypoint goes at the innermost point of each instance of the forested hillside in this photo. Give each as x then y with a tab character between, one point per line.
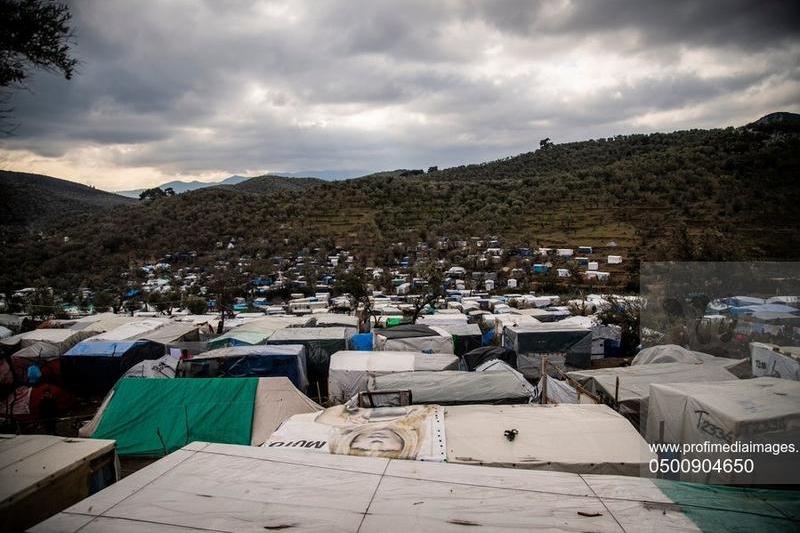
698	194
33	200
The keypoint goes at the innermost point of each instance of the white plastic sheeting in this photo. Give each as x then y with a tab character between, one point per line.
561	391
442	342
635	382
760	410
350	371
63	339
775	361
496	381
239	488
584	439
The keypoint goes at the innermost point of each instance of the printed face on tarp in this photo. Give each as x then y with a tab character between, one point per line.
412	432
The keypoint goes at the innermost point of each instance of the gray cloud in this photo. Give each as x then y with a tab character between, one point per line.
191	88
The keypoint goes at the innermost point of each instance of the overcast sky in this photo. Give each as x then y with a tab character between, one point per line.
202	90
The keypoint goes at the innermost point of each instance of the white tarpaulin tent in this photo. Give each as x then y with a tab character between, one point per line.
760	410
63	339
498	382
672	353
222	487
414	338
775	361
41	475
584	439
132	330
351	370
635	381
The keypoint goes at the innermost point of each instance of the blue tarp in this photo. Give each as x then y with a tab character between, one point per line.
102	348
361	342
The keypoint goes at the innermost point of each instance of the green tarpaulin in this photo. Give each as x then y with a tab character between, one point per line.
153	417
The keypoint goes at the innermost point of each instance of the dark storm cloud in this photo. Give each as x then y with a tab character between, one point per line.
188	88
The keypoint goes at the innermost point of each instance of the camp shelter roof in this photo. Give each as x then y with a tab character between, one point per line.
235	488
286	336
171	332
64	339
38	350
5	332
237	337
132	330
406	331
350	370
276	400
762	410
30	464
585	439
635	381
98	348
103	322
334	319
239	351
268	324
153	417
11	321
453	386
672	353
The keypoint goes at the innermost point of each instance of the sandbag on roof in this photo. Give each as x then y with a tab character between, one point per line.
635	381
584	439
237	488
761	410
351	370
500	384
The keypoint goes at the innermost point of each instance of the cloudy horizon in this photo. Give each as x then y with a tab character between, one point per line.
192	90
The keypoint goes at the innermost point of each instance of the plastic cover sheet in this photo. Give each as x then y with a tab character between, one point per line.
277	400
412	432
760	410
767	360
584	439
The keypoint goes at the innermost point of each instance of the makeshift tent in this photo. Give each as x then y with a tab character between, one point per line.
41	475
173	332
152	417
584	439
5	332
634	383
276	400
42	354
775	361
132	330
413	338
235	337
63	339
564	346
362	342
466	337
759	411
320	344
250	361
163	367
606	339
351	370
95	365
475	358
238	488
557	391
498	384
30	404
672	353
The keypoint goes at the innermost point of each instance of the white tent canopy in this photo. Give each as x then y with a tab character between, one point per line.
760	410
350	371
238	488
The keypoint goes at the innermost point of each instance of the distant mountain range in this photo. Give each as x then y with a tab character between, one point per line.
186	186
